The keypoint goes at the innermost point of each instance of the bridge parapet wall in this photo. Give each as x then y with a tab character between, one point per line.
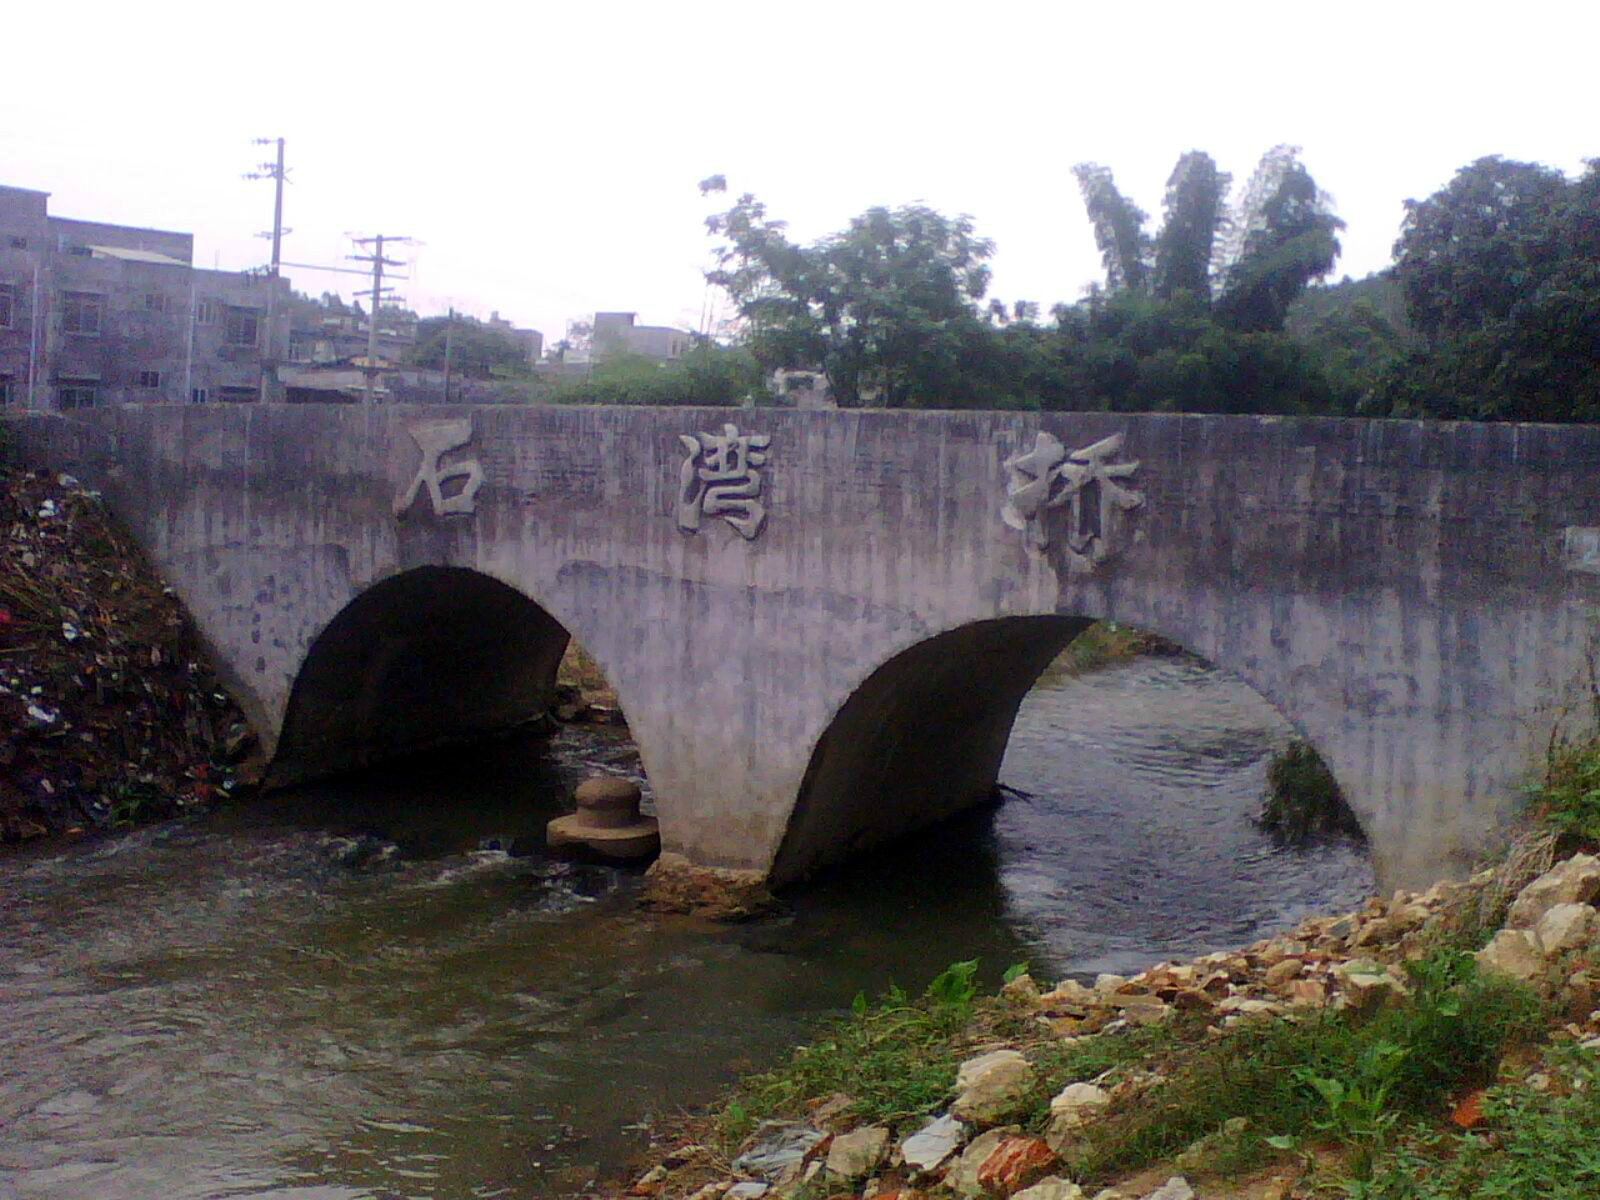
1417	598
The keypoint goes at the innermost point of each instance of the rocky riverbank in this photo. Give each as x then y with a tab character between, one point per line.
1411	1049
110	713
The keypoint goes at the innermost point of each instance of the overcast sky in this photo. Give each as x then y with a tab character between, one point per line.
546	155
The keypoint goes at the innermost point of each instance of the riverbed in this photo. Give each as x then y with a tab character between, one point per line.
383	988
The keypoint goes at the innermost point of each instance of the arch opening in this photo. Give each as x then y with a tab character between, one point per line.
924	736
919	740
432	657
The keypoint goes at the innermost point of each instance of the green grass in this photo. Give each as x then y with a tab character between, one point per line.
1533	1146
897	1058
1303	799
1105	643
1330	1076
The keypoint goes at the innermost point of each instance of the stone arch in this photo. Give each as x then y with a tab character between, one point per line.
920	739
923	736
426	658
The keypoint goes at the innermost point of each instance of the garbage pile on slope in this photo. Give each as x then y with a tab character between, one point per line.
109	710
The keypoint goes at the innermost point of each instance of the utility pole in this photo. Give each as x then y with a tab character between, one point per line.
275	172
379	262
449	328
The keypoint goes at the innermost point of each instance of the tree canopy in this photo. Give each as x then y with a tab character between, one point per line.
1501	275
888	308
1491	311
477	350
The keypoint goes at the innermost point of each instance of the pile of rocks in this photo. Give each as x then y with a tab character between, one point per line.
971	1151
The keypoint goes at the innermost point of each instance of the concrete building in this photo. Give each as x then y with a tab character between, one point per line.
94	314
531	340
330	331
618	333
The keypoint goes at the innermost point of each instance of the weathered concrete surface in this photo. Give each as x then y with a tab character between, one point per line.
1418	599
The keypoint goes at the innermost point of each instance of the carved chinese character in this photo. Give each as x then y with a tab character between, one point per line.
1087	483
436	439
719	479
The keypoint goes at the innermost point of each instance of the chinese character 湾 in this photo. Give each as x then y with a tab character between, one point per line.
719	479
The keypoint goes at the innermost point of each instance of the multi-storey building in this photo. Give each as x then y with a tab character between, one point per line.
617	333
107	314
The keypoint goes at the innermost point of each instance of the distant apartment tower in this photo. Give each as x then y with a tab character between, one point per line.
94	314
616	334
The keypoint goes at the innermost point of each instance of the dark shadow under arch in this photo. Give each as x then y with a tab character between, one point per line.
920	739
430	657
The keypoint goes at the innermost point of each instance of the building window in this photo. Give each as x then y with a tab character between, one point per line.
80	312
237	395
205	312
8	302
198	395
149	379
155	302
7	396
18	243
76	393
240	329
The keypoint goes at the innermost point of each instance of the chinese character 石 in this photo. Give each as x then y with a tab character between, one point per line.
436	439
719	479
1086	483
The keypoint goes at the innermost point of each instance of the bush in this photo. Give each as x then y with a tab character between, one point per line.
707	375
1303	798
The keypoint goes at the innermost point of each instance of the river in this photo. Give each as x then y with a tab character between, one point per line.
356	992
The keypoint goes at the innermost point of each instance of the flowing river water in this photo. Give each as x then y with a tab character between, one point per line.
357	992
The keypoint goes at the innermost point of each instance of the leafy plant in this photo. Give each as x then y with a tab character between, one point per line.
1569	799
956	985
1303	798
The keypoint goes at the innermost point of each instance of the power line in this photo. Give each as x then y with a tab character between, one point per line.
276	172
379	262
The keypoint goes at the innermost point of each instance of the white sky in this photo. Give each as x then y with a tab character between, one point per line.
546	155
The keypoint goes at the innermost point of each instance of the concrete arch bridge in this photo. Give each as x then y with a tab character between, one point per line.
821	624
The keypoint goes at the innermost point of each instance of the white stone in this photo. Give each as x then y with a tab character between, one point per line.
857	1154
1513	952
1176	1188
1575	881
990	1086
930	1147
1051	1188
1566	927
963	1177
1077	1103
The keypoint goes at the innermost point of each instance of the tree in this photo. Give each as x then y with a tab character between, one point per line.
888	308
1194	221
1466	254
1252	263
1501	275
476	350
1288	241
1118	228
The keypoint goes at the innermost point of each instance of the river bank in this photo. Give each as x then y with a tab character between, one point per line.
110	714
1428	1046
